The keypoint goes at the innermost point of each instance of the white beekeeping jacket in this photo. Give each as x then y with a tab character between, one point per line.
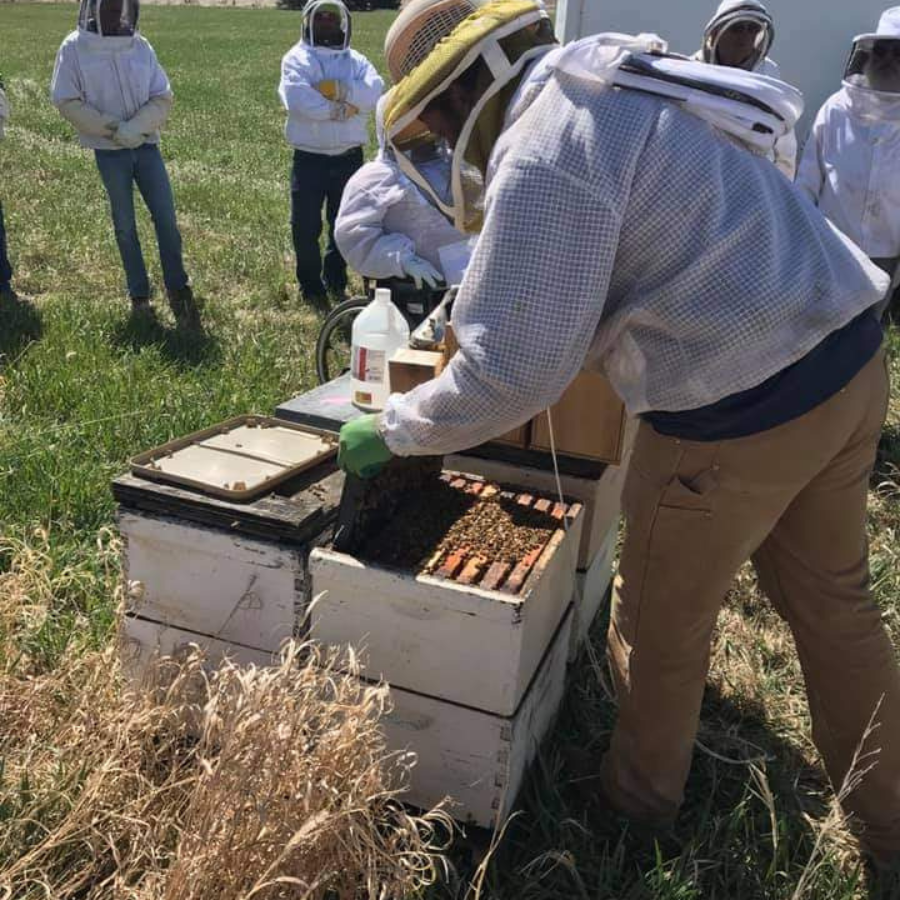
623	234
385	220
111	79
310	125
851	167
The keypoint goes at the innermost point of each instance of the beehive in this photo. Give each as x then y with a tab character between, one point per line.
467	630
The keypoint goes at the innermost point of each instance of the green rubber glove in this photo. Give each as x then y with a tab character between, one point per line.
362	450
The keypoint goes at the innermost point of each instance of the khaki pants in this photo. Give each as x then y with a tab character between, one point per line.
794	500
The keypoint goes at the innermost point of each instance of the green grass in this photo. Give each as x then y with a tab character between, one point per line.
81	391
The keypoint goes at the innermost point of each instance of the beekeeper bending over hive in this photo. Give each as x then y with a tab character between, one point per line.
109	84
386	226
623	232
851	162
328	90
739	36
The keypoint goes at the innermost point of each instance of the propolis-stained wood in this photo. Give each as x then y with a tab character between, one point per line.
465	633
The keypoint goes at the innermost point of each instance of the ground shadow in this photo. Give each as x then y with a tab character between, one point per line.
20	325
183	346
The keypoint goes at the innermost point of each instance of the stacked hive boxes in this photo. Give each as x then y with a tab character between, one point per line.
475	655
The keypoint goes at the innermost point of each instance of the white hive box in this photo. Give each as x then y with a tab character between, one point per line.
593	589
246	592
477	759
465	643
235	572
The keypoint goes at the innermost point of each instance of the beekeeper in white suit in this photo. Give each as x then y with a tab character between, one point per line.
109	84
624	232
851	163
739	36
329	90
387	228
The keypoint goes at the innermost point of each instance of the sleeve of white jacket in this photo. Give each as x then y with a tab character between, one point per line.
155	112
786	155
526	315
297	91
367	85
67	96
359	229
811	174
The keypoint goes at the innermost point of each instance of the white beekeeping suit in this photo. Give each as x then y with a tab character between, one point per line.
385	224
851	163
107	80
317	123
732	13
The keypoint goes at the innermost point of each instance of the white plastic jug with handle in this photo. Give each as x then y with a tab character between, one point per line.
378	331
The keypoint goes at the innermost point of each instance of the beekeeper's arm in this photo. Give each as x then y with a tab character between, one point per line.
152	115
811	174
367	85
359	229
525	317
67	96
4	109
297	89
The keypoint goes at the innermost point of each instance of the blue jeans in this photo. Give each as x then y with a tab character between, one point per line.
120	171
5	267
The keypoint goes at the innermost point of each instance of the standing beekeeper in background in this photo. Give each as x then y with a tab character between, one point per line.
109	84
623	233
387	228
851	163
7	293
328	90
739	36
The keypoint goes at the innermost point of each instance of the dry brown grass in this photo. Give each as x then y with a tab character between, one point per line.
235	783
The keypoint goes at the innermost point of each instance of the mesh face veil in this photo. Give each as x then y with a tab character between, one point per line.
501	38
741	17
327	24
419	27
875	58
109	18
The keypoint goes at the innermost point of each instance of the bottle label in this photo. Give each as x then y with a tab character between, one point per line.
369	365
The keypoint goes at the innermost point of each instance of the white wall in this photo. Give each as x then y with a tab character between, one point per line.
812	39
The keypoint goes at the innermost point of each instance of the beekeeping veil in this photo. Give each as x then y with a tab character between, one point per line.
109	18
734	14
419	26
875	58
496	43
327	24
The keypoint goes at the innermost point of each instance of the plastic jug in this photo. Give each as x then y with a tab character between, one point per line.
378	331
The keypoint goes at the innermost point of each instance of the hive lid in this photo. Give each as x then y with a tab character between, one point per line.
239	459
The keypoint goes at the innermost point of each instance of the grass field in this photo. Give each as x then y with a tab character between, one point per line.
81	390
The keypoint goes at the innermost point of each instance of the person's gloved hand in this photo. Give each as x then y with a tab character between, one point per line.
362	450
341	111
128	136
333	89
421	270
